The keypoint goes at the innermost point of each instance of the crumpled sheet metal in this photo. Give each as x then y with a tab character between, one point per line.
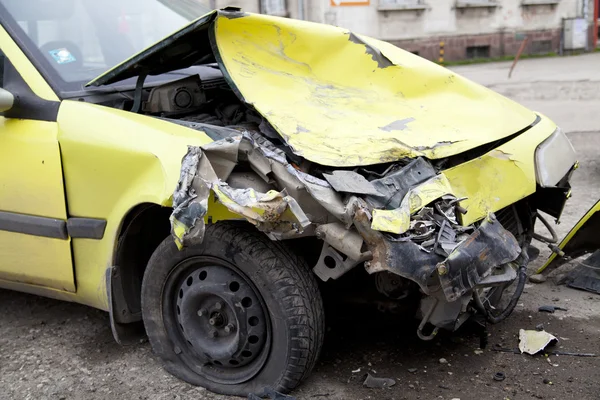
389	105
205	169
271	211
190	201
470	262
398	220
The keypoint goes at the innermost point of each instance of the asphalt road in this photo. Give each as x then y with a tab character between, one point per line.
55	350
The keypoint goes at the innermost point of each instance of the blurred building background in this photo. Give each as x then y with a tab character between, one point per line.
461	29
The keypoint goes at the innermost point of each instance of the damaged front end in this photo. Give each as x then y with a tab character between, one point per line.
403	221
397	164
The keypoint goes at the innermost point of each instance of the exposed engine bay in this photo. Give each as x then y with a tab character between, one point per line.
399	220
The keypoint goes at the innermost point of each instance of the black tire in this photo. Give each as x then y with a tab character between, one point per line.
283	283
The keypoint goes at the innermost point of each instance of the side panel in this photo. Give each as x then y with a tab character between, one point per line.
31	186
31	183
112	161
583	238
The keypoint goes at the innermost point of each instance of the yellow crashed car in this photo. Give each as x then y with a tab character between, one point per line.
219	183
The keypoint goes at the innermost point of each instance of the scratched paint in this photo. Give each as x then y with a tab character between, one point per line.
349	93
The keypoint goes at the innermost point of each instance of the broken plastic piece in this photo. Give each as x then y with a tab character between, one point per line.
392	187
532	342
472	261
586	276
550	309
372	382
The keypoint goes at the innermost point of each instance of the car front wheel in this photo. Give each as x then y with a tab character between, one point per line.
235	314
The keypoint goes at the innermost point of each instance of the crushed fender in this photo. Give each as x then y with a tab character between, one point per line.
420	239
207	168
404	220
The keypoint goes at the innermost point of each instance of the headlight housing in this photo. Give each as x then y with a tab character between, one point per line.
554	157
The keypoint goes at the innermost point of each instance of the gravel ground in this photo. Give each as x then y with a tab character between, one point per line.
55	350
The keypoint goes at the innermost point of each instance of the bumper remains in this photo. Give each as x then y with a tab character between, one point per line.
405	223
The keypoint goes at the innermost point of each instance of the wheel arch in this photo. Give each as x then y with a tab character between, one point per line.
142	229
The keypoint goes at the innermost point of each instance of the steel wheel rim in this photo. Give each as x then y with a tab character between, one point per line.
216	319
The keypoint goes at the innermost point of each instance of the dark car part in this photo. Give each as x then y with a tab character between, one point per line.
499	376
235	314
586	276
550	309
489	311
183	95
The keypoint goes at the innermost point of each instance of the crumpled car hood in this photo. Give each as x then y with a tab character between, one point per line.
337	98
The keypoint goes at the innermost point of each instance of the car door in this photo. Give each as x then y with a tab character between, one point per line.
34	245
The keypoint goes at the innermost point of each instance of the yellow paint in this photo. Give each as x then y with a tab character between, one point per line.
36	260
501	177
30	74
398	221
491	182
31	182
331	113
330	99
595	208
270	207
114	160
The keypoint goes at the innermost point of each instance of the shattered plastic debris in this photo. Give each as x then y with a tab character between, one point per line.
550	309
372	382
586	276
532	342
472	261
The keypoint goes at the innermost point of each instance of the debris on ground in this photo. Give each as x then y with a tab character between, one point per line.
550	362
537	278
532	342
550	309
412	370
550	353
270	394
586	276
356	371
539	327
499	376
373	382
443	361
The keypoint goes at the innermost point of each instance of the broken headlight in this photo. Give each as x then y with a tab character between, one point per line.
554	157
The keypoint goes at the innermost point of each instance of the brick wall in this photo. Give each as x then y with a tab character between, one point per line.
500	44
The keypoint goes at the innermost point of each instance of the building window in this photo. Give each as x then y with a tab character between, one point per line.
401	5
478	51
476	4
274	7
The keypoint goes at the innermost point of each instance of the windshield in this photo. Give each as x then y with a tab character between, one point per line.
77	40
